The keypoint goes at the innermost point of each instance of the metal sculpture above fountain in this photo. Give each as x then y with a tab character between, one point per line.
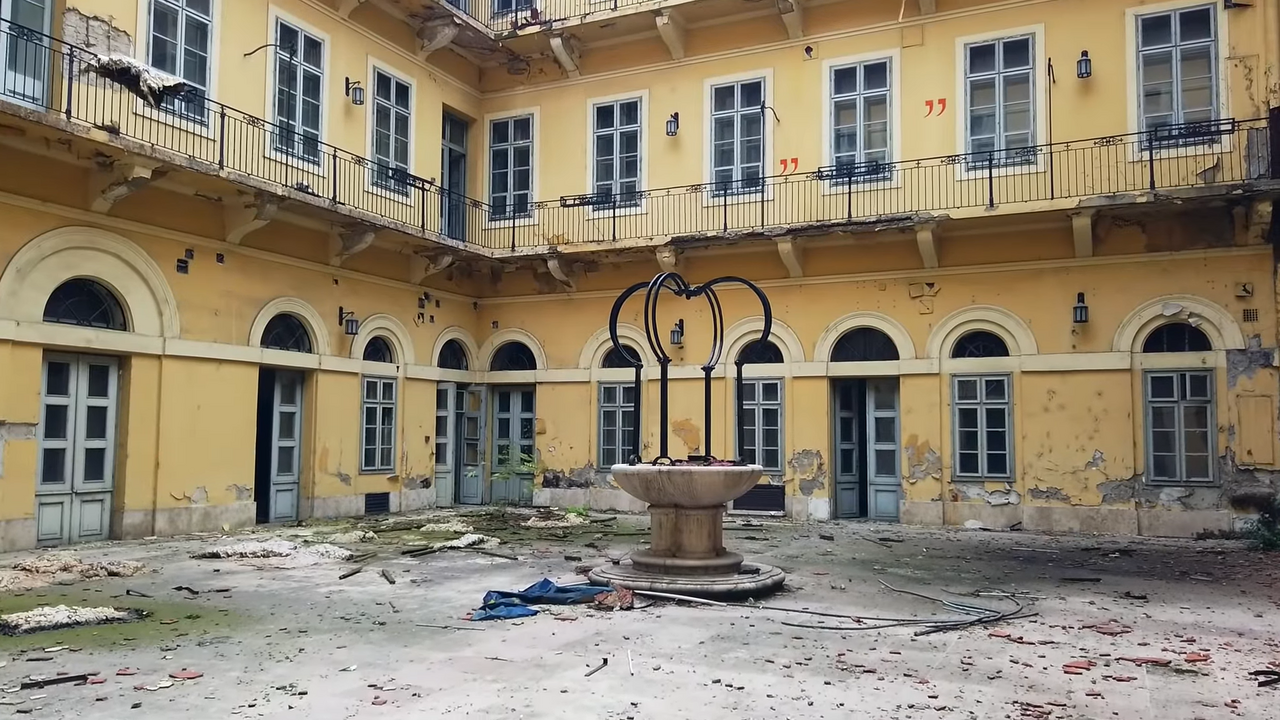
687	499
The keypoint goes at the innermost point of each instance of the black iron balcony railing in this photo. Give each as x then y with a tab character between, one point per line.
47	77
507	16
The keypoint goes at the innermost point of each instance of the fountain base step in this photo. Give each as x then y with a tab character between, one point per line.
753	579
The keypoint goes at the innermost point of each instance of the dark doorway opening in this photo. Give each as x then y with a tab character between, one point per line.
262	450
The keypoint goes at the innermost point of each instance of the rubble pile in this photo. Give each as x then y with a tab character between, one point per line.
56	563
276	549
62	616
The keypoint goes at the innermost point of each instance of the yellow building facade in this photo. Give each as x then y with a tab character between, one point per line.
268	260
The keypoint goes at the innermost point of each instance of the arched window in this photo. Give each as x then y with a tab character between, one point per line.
286	332
86	303
979	344
513	355
379	350
453	356
864	344
1176	337
625	359
759	352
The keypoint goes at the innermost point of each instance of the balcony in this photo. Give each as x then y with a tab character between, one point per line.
51	87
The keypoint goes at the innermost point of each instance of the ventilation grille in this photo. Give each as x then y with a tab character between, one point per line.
1249	315
377	503
762	498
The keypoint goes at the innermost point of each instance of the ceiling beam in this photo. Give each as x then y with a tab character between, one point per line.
671	30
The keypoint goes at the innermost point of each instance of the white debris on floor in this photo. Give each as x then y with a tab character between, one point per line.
57	563
447	526
348	538
470	540
556	520
255	549
62	616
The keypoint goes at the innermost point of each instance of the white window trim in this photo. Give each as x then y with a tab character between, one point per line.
736	424
395	422
142	53
643	97
622	386
1133	84
709	199
320	169
375	66
894	56
1010	428
1148	456
1040	91
534	112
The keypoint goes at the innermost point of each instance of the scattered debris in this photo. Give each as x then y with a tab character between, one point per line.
877	542
1196	657
1110	627
1078	667
505	605
386	575
1140	661
556	519
470	540
63	568
59	680
351	538
447	627
63	616
136	593
349	668
1081	579
353	571
1132	596
603	663
185	674
616	599
1272	677
826	536
256	549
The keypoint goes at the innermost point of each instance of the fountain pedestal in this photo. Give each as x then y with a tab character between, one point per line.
686	552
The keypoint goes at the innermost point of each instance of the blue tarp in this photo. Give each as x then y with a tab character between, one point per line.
505	605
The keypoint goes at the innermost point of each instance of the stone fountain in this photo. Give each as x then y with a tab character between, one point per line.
687	498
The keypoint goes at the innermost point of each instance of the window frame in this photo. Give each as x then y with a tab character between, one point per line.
202	127
710	196
317	167
637	207
966	170
1174	48
889	178
508	219
203	117
757	404
1181	383
616	408
379	181
378	405
982	404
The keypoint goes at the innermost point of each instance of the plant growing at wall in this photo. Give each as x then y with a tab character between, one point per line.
1263	532
526	465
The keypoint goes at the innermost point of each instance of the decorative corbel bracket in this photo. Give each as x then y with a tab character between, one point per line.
346	242
241	218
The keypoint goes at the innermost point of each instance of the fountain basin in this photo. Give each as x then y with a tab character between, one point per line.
686	486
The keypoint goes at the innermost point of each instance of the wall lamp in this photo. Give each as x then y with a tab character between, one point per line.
1084	66
348	322
355	92
677	333
1080	313
673	124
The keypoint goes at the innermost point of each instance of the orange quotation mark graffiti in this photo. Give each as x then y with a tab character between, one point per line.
789	165
940	104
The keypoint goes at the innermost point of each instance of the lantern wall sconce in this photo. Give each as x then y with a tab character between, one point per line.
348	322
673	124
1084	66
1080	313
355	92
677	333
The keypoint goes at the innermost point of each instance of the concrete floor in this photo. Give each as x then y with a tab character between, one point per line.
278	643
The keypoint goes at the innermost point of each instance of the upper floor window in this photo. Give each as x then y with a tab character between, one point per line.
392	123
860	120
1000	87
1177	66
737	137
501	7
179	45
299	77
616	152
511	166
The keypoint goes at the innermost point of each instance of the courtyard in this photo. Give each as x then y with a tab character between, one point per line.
1123	627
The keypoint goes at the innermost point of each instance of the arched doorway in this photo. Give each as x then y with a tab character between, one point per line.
868	483
277	484
77	430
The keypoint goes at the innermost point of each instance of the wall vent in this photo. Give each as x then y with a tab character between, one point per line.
377	503
766	498
1249	315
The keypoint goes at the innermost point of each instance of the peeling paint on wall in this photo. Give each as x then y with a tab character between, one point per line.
95	33
198	497
582	477
416	482
344	478
1246	363
1234	482
14	431
810	471
1097	462
689	434
242	493
1052	494
922	460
